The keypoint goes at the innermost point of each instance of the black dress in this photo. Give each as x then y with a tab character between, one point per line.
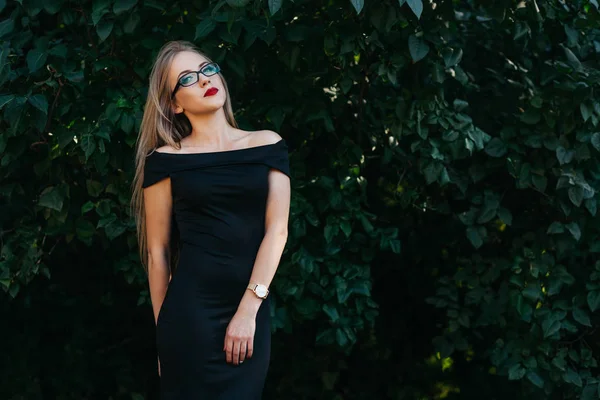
219	205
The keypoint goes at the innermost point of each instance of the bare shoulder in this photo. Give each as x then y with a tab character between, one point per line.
165	149
260	138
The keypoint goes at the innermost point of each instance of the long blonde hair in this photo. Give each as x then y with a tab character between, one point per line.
161	126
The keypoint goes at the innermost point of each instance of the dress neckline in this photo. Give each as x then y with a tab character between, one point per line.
222	151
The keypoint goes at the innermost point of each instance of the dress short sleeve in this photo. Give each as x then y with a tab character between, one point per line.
278	157
155	170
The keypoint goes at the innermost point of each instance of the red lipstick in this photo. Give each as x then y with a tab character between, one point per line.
211	92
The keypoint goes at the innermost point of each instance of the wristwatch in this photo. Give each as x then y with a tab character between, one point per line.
259	290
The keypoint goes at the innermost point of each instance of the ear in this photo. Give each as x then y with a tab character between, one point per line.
177	109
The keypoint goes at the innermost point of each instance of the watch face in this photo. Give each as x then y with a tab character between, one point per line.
261	290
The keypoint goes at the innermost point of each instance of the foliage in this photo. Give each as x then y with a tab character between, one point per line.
445	161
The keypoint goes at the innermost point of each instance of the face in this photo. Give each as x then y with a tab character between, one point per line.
192	99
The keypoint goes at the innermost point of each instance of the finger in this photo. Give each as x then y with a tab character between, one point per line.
243	346
229	350
250	350
236	352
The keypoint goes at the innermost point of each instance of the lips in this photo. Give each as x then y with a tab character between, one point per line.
211	91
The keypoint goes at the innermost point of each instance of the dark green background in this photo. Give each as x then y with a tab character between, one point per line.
443	237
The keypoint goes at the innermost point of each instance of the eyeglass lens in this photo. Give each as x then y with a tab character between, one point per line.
192	77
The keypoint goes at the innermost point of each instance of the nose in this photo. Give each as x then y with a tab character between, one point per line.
203	80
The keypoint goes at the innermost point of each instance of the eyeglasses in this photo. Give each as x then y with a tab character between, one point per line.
192	77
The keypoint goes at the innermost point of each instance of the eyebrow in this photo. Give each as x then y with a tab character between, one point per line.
189	70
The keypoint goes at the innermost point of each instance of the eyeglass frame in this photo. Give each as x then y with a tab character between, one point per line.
179	84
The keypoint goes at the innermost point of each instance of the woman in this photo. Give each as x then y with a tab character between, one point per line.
212	205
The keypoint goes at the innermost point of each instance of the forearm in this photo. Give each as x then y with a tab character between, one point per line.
158	280
265	266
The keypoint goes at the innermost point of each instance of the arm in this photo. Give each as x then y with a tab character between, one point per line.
273	243
157	204
239	338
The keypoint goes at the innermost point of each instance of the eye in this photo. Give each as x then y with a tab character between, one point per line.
210	69
187	79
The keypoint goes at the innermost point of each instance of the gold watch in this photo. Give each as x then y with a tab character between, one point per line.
259	290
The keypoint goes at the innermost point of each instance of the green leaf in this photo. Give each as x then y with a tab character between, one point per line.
495	147
84	229
590	392
593	300
94	188
432	172
572	59
330	231
127	122
104	28
51	198
365	223
341	337
395	246
535	379
532	292
591	204
114	229
52	6
87	207
572	377
572	35
576	195
452	56
358	5
6	27
596	140
417	47
488	212
555	227
14	290
516	372
204	28
540	182
573	227
99	9
531	116
586	112
468	217
131	23
563	155
416	6
550	326
331	312
123	5
581	316
39	101
505	215
238	3
5	99
88	144
521	28
35	60
475	236
106	221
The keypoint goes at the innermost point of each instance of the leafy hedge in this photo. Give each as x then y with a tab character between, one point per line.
444	233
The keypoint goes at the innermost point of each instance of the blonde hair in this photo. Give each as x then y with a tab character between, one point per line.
161	126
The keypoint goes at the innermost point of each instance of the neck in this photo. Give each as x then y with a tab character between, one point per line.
210	130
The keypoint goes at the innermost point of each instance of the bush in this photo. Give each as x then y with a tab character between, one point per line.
445	161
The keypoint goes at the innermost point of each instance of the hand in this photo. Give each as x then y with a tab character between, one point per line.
239	337
158	366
